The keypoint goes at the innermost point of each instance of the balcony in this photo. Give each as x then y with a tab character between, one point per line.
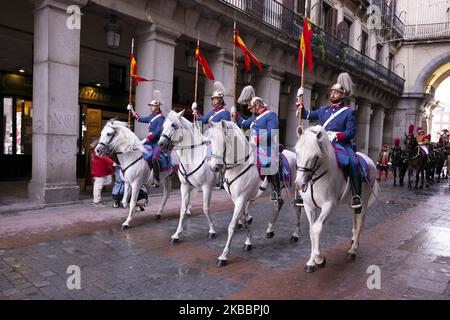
281	18
432	31
391	26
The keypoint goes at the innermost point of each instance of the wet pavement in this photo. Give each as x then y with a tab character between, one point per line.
407	236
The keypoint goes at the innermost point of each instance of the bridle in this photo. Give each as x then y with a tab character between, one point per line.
106	145
223	157
313	171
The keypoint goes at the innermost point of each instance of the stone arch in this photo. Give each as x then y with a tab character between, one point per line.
428	70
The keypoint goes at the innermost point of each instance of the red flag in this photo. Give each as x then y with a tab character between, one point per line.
305	46
134	69
247	54
202	61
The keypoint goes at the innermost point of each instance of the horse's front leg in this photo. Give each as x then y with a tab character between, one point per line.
311	215
246	218
185	195
207	191
317	227
238	209
358	222
126	195
134	194
166	193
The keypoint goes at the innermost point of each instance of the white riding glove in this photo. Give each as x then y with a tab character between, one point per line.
331	135
233	109
130	107
194	106
144	140
300	92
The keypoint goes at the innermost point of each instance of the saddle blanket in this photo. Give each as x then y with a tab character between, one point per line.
343	161
284	170
167	162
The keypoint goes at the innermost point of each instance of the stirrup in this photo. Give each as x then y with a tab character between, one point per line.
275	196
299	202
355	203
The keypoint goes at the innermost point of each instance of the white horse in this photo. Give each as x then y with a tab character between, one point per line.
135	172
193	172
323	186
242	179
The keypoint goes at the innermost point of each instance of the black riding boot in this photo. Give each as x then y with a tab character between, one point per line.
355	182
276	195
156	169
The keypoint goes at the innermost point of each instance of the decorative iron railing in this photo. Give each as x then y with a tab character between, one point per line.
275	15
427	31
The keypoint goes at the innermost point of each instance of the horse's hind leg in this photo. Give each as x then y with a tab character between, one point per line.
276	212
166	193
134	194
358	222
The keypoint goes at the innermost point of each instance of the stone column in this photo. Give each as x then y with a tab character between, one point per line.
221	63
268	88
388	127
363	126
351	103
155	57
376	132
55	103
292	120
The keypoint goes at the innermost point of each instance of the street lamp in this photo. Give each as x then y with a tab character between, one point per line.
113	31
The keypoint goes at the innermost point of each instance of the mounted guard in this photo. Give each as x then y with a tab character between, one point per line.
263	125
340	124
155	122
218	112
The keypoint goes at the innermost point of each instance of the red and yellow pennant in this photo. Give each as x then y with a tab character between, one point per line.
134	70
204	64
248	56
305	46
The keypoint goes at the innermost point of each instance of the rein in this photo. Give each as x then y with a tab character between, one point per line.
313	171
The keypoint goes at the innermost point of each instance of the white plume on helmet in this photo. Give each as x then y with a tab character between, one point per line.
247	94
219	90
157	99
344	83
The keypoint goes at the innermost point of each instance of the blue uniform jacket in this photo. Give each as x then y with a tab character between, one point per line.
215	115
345	122
262	129
155	125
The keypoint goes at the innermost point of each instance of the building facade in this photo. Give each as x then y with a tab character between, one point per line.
76	82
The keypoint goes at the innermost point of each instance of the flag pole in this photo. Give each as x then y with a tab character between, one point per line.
302	81
234	64
131	86
196	73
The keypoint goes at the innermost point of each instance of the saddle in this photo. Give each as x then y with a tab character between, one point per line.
167	161
343	162
263	162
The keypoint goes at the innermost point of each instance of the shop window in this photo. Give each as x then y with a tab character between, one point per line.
8	147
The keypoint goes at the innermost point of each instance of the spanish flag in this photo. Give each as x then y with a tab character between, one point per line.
247	54
305	46
134	69
202	61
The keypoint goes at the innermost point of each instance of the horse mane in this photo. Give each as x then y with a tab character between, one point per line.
125	137
309	143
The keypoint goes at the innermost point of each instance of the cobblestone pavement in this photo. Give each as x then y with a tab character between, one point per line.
407	235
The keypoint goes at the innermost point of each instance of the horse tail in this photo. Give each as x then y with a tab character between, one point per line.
375	192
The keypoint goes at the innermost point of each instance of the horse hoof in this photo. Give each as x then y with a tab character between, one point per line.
211	235
249	222
221	263
124	227
247	247
309	269
294	239
158	216
174	240
322	265
270	234
240	226
352	256
141	208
